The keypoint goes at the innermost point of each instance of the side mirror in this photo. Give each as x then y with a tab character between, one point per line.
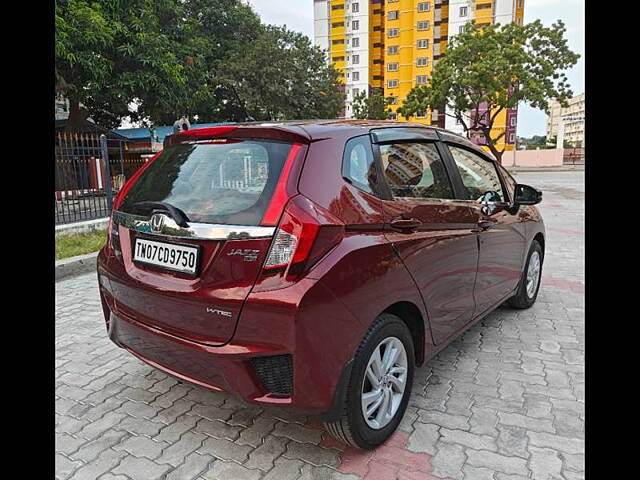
490	197
526	195
490	201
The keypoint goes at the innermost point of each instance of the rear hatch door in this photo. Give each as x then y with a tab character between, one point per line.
194	230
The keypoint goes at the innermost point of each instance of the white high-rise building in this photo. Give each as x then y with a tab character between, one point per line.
344	29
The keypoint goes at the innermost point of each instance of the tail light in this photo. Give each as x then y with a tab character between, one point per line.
109	227
305	234
113	239
282	194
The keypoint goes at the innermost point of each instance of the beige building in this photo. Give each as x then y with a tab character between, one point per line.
573	118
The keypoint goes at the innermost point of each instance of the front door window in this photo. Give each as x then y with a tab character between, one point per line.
479	176
501	238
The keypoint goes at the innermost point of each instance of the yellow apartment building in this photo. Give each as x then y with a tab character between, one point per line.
394	45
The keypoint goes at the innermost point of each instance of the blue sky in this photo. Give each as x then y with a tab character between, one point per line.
298	15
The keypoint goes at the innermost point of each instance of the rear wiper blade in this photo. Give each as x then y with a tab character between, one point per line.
174	212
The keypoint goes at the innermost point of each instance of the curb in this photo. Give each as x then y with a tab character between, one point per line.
81	227
577	168
74	266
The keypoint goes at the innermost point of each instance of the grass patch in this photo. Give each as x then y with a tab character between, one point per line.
80	243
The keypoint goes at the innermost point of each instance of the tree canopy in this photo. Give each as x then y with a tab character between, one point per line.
372	107
536	141
283	76
110	52
213	58
487	70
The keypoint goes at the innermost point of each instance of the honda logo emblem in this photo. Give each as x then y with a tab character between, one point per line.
156	222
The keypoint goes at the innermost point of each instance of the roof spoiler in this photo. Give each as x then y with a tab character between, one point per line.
258	131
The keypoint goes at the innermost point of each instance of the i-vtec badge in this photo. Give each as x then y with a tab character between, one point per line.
217	311
249	254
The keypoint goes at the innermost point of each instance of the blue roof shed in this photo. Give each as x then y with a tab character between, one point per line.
144	134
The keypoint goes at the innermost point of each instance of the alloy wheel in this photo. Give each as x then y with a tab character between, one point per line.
533	274
383	386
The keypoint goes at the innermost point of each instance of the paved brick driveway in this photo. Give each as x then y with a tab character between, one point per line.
504	402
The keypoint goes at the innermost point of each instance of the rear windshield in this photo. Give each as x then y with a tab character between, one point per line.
228	183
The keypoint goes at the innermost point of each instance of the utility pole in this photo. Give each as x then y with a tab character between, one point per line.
560	136
561	121
515	144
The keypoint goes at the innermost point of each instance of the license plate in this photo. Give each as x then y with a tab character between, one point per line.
171	256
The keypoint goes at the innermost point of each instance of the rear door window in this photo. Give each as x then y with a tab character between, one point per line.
415	170
228	182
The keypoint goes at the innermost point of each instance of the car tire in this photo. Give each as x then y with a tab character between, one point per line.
388	332
528	293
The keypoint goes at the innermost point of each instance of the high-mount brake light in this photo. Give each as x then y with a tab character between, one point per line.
199	133
215	141
209	131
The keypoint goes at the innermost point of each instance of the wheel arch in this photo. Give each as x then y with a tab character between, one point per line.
540	239
410	314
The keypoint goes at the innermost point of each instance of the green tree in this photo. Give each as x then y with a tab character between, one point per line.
281	76
553	143
212	58
209	35
111	52
372	107
535	142
490	69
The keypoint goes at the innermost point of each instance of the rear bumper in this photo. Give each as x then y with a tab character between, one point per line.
225	368
304	321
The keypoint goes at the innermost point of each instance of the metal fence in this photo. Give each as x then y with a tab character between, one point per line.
85	183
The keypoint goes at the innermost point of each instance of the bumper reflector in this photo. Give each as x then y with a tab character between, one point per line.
275	372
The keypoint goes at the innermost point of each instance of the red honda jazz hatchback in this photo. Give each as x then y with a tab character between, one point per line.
312	265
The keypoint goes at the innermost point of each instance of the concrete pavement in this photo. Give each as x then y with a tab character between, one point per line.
503	402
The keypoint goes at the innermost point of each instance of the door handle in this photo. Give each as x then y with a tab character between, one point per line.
405	224
484	225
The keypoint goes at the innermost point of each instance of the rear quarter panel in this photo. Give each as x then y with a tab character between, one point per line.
307	320
363	272
368	277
